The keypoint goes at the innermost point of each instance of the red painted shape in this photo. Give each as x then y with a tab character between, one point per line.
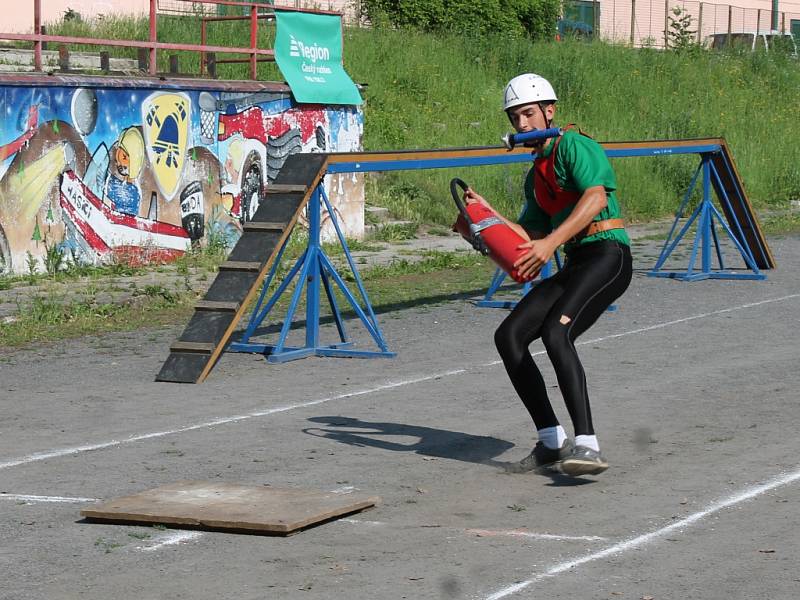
94	240
131	221
15	146
253	124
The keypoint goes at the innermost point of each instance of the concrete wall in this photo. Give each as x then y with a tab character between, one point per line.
111	170
20	20
650	18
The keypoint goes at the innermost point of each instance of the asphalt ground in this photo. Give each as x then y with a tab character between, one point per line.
694	397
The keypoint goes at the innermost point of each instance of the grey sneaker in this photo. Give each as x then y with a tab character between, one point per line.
583	461
542	459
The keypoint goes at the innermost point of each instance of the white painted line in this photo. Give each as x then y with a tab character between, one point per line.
360	522
348	489
746	494
57	453
178	537
533	535
40	456
32	499
667	324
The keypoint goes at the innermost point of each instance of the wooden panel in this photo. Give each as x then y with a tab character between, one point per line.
225	506
201	347
240	265
217	305
265	226
285	188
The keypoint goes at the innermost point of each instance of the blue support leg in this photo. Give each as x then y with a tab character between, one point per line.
313	272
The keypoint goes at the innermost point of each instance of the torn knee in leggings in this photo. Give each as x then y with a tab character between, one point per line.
565	320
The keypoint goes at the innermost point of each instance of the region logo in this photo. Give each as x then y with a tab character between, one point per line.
312	53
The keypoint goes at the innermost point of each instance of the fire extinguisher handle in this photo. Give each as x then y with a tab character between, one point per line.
476	239
456	183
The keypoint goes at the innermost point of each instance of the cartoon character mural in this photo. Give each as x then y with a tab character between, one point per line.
108	174
122	187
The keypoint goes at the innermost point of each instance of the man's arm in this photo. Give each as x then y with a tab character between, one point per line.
541	250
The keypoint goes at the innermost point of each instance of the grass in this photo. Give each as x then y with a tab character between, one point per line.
439	276
432	91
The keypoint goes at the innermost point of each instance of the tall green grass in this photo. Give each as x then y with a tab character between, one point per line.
427	91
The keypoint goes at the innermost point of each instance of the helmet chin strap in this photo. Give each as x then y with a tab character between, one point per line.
544	114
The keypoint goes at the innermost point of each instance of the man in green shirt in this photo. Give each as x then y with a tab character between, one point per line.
571	201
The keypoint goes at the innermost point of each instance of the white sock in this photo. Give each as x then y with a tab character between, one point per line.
552	437
590	441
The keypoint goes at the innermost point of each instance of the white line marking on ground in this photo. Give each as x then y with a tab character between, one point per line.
746	494
28	498
666	324
360	522
178	537
533	535
348	489
57	453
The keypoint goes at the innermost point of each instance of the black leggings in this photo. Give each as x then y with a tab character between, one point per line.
558	310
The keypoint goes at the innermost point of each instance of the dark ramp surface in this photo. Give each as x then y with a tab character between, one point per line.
200	345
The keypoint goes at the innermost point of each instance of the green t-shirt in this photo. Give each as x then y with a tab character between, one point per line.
580	163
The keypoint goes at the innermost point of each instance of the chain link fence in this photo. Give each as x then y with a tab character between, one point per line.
647	22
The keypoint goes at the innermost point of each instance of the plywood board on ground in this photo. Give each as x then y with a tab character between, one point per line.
226	506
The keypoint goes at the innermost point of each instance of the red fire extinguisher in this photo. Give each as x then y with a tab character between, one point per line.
488	234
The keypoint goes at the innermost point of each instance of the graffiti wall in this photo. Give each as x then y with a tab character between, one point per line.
140	175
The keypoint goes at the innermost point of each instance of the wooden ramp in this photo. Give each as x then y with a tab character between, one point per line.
730	182
200	345
740	209
229	507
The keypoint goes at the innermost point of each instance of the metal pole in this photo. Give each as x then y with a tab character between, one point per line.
633	19
596	20
758	21
253	40
37	29
774	15
706	223
203	39
313	275
153	37
730	25
700	25
666	24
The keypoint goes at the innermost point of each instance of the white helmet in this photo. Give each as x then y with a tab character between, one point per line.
526	89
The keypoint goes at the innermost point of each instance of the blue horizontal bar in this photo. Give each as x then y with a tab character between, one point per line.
498	159
669	151
427	163
512	139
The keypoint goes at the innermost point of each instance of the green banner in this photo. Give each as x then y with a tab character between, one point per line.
308	50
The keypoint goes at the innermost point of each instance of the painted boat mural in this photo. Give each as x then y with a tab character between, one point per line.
140	175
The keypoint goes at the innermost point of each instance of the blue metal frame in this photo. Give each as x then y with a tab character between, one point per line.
400	164
312	269
705	215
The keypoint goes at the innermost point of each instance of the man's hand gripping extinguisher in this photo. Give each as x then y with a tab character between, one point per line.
488	233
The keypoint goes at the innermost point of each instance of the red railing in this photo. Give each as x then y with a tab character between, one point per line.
153	45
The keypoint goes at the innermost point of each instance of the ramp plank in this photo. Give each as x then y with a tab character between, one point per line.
226	506
240	277
740	209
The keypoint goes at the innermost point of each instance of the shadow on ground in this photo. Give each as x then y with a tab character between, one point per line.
438	443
